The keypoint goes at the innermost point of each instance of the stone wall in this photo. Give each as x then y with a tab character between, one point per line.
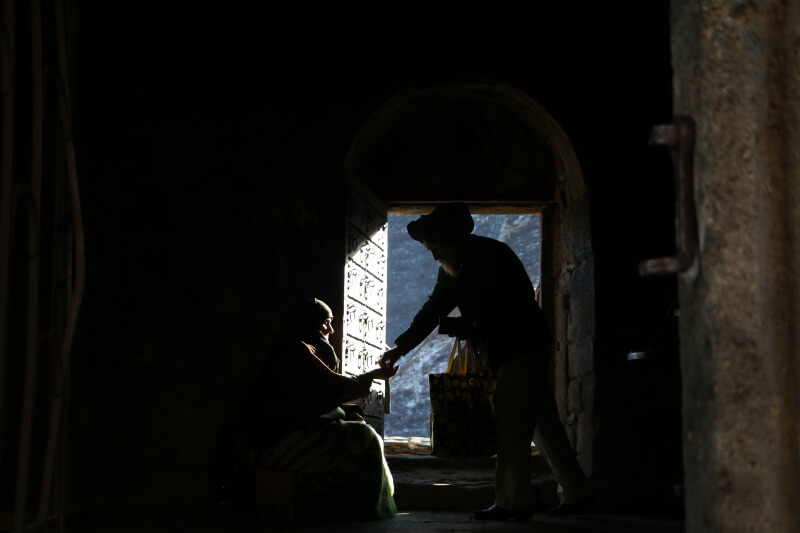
737	74
577	279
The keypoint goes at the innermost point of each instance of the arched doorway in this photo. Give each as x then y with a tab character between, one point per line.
492	146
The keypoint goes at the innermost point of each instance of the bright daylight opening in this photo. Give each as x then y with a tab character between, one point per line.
411	276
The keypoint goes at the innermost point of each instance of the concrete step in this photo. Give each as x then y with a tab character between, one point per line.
413	462
439	483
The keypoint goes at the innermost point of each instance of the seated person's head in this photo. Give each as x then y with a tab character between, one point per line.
311	317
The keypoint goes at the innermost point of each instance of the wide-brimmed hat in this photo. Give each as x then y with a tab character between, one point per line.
448	222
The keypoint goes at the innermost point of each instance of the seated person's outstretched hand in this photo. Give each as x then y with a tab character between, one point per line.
383	372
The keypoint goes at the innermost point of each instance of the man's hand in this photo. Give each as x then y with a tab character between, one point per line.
390	357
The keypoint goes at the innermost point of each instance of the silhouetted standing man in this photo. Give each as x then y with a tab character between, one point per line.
485	279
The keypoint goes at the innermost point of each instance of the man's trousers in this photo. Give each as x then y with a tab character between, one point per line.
525	410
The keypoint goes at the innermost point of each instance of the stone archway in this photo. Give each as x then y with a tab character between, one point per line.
493	146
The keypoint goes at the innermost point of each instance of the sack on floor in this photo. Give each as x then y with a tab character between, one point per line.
462	418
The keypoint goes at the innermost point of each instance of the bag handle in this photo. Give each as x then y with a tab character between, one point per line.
452	357
465	356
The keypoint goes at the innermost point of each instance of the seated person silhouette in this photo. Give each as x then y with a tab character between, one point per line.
296	417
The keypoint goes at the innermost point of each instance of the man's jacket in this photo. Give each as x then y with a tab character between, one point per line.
495	296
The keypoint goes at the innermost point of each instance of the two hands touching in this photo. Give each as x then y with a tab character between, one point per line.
383	372
387	368
389	359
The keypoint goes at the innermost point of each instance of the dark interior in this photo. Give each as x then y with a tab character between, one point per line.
212	152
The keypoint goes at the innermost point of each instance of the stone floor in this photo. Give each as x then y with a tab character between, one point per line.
435	483
206	520
432	494
448	521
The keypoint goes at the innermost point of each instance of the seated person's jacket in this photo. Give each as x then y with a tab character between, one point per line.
295	388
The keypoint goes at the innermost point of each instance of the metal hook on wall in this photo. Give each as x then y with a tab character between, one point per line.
679	137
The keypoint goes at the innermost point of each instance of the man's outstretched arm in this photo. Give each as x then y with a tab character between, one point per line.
440	302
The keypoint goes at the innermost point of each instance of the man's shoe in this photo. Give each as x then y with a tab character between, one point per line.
501	513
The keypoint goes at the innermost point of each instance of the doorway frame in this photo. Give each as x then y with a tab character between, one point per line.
567	257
